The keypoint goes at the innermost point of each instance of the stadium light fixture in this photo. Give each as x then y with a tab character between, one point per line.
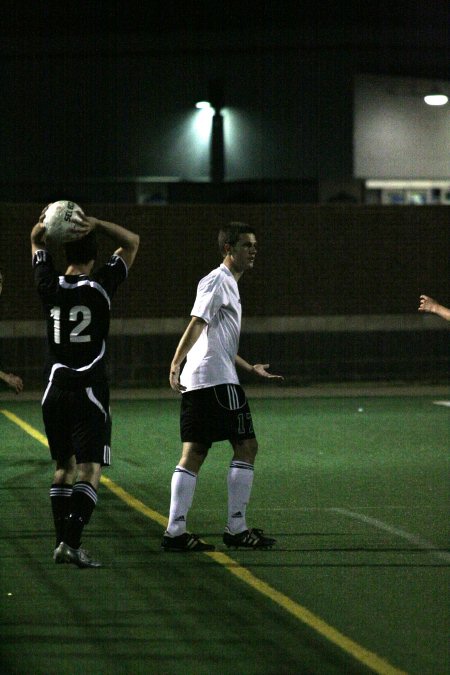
436	98
203	105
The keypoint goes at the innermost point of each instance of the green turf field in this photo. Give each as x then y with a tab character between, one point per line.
357	583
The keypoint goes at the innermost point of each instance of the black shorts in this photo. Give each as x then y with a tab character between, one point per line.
78	423
215	414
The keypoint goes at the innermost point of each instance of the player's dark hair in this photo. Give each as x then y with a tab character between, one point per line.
82	250
230	234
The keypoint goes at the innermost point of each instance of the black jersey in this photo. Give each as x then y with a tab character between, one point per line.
77	310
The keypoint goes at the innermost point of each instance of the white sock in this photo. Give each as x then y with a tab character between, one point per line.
240	481
181	496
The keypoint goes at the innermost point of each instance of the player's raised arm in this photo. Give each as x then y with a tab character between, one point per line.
127	241
37	238
38	234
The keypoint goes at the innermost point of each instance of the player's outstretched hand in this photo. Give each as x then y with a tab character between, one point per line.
14	381
261	370
427	304
174	379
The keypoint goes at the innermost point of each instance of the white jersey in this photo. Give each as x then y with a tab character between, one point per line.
211	360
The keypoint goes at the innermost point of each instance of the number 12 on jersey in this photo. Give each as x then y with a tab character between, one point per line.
81	323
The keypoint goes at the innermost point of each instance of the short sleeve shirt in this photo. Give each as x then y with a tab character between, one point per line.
211	361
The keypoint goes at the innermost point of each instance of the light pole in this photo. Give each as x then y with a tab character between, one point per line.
217	150
214	104
217	145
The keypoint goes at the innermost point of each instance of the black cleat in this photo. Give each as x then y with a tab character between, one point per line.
185	543
253	538
77	556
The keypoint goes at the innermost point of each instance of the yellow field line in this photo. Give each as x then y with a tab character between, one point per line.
359	653
133	502
25	426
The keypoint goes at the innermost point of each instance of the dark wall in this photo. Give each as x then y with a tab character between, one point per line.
312	260
142	361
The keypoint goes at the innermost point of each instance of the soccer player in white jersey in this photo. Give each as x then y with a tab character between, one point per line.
75	405
214	406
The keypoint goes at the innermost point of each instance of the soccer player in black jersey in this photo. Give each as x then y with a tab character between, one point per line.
75	405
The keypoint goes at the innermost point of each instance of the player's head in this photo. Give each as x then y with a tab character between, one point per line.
81	251
230	234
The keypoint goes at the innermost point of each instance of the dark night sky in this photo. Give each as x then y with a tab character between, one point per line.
159	17
415	30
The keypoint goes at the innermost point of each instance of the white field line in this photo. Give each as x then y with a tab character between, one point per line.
445	403
412	538
289	509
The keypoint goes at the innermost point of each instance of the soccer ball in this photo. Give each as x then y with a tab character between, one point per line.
59	220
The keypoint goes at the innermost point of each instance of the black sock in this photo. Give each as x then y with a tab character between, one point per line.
84	499
60	498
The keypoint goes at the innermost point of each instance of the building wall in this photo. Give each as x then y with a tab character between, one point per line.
322	273
312	260
396	135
